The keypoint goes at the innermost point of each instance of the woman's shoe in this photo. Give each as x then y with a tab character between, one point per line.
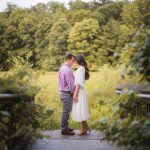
88	129
83	132
84	128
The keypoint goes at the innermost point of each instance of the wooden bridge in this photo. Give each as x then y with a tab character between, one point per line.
91	141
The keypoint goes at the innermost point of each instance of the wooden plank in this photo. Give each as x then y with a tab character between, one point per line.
60	142
56	134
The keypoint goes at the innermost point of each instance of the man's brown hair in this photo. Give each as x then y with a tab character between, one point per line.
69	56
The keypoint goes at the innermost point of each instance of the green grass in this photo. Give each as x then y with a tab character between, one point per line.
101	95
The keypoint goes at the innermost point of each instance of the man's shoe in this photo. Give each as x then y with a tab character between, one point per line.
70	129
67	132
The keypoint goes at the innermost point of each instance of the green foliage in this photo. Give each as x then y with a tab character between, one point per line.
131	14
141	59
57	44
26	114
133	134
135	56
54	7
20	77
84	39
100	30
78	4
25	123
48	121
48	31
113	35
80	15
144	8
100	96
127	127
110	10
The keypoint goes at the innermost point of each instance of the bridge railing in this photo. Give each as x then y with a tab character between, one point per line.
143	94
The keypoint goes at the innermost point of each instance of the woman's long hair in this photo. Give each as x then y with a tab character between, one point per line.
81	61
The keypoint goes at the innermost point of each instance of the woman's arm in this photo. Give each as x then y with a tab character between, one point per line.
75	95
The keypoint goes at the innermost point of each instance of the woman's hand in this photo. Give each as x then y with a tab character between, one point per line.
75	97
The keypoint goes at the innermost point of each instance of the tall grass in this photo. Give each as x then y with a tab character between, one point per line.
101	95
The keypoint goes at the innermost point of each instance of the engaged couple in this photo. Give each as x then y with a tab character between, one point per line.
73	94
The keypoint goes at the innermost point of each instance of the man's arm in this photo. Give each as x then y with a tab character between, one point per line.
70	80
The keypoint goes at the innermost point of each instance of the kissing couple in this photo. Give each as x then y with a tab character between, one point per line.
73	94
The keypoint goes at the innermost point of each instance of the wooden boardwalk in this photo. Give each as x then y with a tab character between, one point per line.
62	142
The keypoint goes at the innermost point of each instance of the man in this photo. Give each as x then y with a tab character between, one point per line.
66	90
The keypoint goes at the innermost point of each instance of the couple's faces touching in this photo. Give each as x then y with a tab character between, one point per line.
72	61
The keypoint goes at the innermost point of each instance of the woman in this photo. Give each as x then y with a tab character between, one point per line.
80	111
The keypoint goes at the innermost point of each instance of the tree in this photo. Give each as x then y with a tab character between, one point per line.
131	14
84	38
141	58
39	8
57	46
78	4
10	8
27	30
80	14
9	37
43	29
114	33
110	10
54	7
95	29
144	8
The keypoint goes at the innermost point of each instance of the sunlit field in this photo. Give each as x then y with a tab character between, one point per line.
101	95
100	88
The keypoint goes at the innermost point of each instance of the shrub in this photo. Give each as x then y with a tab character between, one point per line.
127	127
24	113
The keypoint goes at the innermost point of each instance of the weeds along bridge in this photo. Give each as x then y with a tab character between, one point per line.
91	141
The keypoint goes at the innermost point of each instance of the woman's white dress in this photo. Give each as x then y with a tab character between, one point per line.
80	110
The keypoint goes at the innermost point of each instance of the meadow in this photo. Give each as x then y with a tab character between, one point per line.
101	95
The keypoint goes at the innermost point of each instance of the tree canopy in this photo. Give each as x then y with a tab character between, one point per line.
95	29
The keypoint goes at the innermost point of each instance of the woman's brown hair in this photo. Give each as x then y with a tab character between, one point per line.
81	61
